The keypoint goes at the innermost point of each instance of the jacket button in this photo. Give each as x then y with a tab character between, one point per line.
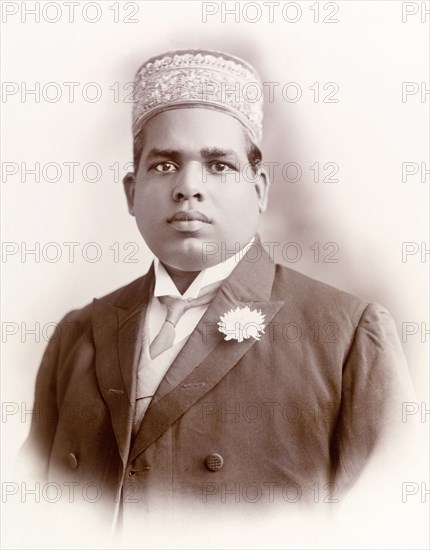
214	462
73	461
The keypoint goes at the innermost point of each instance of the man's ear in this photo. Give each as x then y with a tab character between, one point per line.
129	182
262	187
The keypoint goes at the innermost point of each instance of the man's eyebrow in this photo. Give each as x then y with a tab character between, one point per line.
205	153
212	152
165	153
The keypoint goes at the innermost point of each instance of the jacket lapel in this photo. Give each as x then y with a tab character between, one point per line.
206	357
118	333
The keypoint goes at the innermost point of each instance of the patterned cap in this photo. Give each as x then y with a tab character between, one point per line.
199	78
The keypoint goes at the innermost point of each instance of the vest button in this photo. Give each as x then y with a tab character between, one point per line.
214	462
73	461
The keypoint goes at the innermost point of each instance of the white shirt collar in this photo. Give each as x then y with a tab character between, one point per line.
165	286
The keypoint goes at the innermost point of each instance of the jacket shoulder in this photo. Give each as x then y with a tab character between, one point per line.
119	296
313	295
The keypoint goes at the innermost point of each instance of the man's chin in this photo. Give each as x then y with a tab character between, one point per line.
191	254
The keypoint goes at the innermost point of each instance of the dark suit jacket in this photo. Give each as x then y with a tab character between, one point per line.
300	409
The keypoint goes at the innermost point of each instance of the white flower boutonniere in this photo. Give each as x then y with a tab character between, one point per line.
242	323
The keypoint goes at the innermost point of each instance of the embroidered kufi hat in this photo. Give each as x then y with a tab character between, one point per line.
199	78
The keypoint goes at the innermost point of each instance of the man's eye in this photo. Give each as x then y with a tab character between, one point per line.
220	167
164	167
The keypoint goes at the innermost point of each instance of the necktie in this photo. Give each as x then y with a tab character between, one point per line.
176	307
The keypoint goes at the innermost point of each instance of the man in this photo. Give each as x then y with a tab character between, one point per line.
218	378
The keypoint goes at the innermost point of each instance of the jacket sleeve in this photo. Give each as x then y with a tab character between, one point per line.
34	455
375	382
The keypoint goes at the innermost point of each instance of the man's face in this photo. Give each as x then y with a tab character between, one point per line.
194	195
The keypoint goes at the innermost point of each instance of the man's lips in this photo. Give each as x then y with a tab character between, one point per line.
189	216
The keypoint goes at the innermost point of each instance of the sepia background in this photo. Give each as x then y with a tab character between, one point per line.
356	111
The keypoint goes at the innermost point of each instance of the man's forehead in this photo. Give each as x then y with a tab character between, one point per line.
198	130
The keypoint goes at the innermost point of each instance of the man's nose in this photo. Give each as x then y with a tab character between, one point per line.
189	183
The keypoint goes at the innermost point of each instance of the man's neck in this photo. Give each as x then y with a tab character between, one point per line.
182	279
